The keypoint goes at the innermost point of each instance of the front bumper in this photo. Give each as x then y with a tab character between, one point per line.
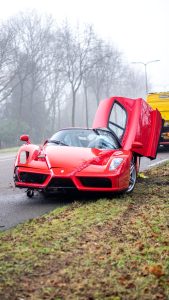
54	180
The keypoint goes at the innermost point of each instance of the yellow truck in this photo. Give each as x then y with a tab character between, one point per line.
161	102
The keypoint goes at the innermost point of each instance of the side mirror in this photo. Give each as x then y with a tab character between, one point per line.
137	145
25	138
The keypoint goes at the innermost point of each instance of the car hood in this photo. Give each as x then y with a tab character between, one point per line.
70	157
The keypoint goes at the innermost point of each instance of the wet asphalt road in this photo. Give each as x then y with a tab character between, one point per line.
16	207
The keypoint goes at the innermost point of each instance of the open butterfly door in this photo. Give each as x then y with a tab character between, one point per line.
133	121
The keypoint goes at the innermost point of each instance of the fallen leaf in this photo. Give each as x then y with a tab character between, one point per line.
142	175
156	270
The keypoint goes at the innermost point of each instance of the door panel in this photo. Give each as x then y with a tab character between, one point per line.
134	122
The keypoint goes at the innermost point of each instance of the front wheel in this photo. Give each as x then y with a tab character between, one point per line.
133	177
30	193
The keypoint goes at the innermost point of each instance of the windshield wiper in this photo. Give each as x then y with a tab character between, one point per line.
58	142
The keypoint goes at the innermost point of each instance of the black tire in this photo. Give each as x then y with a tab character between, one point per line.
30	193
133	177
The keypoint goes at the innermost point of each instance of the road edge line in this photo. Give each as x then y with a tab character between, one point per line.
159	162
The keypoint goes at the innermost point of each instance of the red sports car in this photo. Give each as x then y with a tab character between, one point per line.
102	158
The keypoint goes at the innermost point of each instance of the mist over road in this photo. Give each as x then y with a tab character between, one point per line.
16	207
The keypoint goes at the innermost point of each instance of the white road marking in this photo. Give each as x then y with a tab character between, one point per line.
159	162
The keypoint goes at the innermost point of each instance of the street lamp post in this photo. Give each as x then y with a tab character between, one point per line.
145	68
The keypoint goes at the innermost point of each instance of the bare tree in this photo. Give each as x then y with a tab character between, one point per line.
7	69
77	47
33	37
130	83
43	67
55	83
106	71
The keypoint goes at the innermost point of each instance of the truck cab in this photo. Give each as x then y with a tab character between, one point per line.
161	102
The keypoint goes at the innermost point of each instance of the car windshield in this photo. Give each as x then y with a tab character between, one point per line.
87	138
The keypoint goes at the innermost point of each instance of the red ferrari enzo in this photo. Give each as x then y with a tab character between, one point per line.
102	158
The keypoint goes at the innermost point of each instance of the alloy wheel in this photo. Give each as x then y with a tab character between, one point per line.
133	177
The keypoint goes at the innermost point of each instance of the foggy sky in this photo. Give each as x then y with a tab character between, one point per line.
139	28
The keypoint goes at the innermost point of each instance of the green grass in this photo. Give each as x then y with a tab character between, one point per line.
99	249
9	150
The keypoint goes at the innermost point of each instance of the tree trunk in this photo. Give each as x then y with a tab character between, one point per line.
86	106
73	106
53	116
31	111
20	107
59	115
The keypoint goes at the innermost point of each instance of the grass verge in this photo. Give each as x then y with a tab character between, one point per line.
9	150
112	248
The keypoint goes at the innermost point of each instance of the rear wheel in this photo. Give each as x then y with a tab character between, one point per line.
133	177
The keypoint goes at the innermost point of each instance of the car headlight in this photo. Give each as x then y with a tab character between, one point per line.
23	157
115	163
